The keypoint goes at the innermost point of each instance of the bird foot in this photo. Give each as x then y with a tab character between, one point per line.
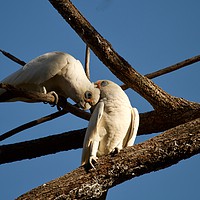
56	98
92	161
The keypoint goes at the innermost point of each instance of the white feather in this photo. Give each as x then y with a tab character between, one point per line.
113	124
56	71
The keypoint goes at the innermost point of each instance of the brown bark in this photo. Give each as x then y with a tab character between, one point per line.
158	98
151	122
157	153
43	146
33	96
178	143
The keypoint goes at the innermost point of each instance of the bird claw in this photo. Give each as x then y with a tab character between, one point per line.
56	98
92	159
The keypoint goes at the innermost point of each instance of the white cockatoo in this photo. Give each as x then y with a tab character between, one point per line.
55	72
113	124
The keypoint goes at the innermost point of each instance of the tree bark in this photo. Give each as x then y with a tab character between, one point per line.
178	143
151	122
157	97
160	152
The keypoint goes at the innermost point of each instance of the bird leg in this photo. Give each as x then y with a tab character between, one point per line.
92	161
93	151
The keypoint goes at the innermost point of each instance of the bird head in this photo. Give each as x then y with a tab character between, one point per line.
110	90
90	98
106	87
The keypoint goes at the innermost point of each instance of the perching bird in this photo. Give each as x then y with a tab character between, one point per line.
112	126
55	72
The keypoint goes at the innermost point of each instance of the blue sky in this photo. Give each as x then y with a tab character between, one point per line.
150	35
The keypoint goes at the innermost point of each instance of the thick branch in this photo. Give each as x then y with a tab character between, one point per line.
150	122
157	153
43	146
120	67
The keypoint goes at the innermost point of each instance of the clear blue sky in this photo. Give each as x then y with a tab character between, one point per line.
150	35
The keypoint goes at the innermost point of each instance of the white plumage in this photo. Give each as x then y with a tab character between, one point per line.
54	71
113	124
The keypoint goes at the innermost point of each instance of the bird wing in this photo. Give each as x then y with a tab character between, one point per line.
91	140
132	132
39	69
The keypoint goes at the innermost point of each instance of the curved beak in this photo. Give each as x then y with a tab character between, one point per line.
84	105
97	84
90	101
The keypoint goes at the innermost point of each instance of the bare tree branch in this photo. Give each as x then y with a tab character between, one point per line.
40	97
34	96
67	108
150	122
13	58
158	98
55	115
32	124
169	69
43	146
160	152
157	153
157	118
152	75
87	61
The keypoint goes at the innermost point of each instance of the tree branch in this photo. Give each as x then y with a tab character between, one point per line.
169	69
13	58
160	152
87	61
32	124
40	97
158	98
150	122
43	146
34	96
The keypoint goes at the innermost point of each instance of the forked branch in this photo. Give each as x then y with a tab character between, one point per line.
158	98
40	97
150	122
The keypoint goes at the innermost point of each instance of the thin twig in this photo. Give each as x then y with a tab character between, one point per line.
12	57
31	124
169	69
40	97
87	61
67	108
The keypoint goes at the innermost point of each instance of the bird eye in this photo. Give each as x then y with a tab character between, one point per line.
104	83
88	95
